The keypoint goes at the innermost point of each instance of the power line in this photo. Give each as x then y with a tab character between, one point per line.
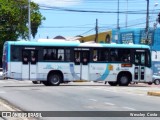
94	11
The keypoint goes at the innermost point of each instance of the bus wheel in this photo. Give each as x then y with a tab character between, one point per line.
157	82
123	80
54	79
112	83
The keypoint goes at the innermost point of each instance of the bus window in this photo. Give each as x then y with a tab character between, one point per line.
114	55
95	55
85	57
77	57
34	57
61	54
100	55
15	53
25	57
46	55
141	57
124	55
53	54
67	55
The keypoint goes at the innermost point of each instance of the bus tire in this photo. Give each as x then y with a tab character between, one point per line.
54	79
123	80
112	83
157	82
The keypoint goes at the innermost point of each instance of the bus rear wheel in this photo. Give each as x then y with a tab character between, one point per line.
54	79
112	83
123	80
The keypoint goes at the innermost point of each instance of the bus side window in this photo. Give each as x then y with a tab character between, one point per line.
67	54
46	56
77	57
60	57
25	58
33	57
53	56
15	52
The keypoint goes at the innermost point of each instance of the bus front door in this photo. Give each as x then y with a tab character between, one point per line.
139	70
29	64
81	65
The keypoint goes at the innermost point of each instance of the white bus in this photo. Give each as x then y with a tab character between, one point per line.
53	63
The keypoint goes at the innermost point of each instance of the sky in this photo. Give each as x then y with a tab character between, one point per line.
71	18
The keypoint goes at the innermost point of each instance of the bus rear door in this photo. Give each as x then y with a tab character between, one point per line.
29	64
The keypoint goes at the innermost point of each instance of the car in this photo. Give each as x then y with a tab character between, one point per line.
156	79
1	73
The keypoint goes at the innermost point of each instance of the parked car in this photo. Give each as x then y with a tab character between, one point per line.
156	79
1	73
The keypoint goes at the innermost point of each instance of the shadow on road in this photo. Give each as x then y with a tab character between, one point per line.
73	85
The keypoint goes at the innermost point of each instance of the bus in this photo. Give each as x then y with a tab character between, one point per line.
58	62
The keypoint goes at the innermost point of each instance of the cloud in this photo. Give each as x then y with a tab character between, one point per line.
58	3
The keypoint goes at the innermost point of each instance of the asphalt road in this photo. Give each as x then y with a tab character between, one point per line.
80	97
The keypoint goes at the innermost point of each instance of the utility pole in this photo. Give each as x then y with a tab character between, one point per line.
118	16
117	34
147	22
29	20
127	15
96	29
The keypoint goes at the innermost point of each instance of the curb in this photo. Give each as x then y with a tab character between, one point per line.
154	93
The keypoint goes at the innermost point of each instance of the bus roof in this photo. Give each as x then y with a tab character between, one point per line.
75	44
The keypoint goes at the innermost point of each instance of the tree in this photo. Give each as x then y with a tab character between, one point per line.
14	20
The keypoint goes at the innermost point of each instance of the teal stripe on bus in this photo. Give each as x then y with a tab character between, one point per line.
29	43
76	44
125	45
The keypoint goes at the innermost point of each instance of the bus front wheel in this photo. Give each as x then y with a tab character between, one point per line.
54	79
123	80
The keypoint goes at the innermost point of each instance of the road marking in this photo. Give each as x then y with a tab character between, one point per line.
107	103
93	100
129	108
119	91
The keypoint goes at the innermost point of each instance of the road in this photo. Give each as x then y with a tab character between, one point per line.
79	97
